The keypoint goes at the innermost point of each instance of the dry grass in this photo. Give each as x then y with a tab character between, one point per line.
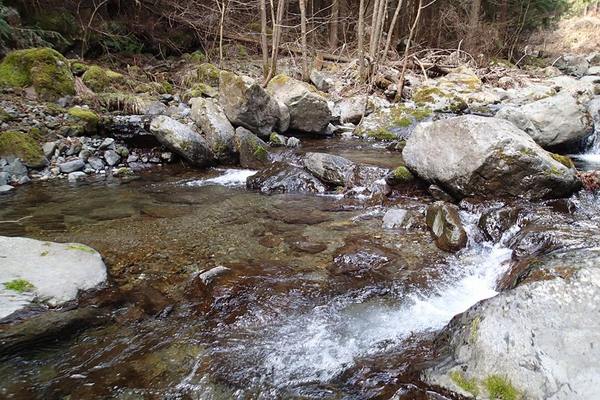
577	35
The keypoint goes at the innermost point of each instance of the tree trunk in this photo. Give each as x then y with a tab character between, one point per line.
263	37
473	24
373	24
361	36
333	24
305	74
400	85
388	42
276	37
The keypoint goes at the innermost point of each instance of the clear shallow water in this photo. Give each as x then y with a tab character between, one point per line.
284	323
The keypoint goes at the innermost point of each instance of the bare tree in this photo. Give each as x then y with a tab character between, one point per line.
305	74
390	33
263	37
361	35
333	24
276	36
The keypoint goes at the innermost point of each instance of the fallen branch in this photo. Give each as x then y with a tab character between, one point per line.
17	221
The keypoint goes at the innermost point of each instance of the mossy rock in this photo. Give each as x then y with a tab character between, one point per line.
208	74
199	90
382	134
4	116
101	79
154	87
78	68
564	160
23	146
399	176
89	118
43	68
437	99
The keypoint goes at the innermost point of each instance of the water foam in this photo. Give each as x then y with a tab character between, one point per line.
230	178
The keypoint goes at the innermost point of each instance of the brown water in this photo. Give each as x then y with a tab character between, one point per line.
320	301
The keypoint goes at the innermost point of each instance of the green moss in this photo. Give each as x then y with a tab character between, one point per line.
260	153
4	116
54	109
208	74
88	117
468	385
81	247
564	160
43	68
78	68
280	79
198	57
22	145
19	285
276	139
402	174
100	79
500	388
426	94
382	134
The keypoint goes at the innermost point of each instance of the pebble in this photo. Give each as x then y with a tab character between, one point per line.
75	176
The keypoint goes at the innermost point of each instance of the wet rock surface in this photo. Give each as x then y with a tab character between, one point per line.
443	220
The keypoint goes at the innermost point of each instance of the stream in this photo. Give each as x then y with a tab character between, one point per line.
320	302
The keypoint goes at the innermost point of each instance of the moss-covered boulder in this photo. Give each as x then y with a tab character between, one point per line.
23	146
254	153
101	79
44	69
208	74
438	99
393	123
399	176
86	117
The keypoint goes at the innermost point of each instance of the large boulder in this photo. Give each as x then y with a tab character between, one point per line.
182	140
210	118
253	151
45	272
247	104
446	227
308	109
23	146
573	64
538	341
44	69
284	178
554	122
331	169
487	157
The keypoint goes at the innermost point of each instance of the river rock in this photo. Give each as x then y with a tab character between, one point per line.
212	121
329	168
284	178
308	109
554	122
446	227
487	157
71	166
51	273
75	176
321	80
96	163
537	341
111	157
397	218
253	151
6	188
183	140
49	148
573	65
352	109
247	104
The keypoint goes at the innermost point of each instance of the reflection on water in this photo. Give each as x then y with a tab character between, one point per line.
284	323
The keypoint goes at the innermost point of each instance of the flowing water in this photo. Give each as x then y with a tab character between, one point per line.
320	301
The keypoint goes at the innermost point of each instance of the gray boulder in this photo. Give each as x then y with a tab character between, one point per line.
446	227
284	178
321	80
253	151
487	157
308	109
51	273
247	104
555	121
352	109
212	121
538	341
111	157
183	140
573	65
71	166
329	168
